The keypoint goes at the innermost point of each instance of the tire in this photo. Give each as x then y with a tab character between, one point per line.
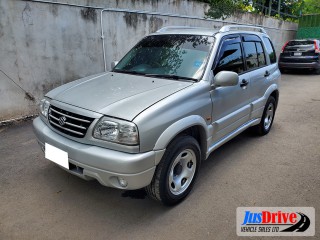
176	173
265	124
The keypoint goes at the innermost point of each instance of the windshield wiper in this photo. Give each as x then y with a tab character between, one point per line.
171	76
128	71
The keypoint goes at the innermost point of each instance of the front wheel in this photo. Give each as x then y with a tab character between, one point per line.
265	124
176	173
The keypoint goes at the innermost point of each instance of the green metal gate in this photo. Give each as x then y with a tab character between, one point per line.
309	27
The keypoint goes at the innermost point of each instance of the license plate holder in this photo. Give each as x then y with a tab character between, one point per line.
56	155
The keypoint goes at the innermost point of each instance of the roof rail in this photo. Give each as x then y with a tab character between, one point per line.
164	29
228	28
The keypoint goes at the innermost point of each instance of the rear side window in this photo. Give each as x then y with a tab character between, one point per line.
251	55
254	55
230	58
261	55
270	50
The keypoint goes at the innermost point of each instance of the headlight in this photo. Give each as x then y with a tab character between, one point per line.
116	131
44	107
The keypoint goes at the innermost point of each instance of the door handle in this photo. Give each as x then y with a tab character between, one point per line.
243	83
267	74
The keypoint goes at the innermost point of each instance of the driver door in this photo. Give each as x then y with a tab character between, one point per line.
230	105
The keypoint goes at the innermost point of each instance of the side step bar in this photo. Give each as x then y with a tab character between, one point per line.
232	135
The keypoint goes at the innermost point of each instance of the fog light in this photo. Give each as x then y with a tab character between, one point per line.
122	182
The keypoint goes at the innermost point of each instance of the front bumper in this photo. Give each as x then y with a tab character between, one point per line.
105	165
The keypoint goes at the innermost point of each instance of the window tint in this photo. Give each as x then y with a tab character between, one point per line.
270	50
230	59
261	56
251	55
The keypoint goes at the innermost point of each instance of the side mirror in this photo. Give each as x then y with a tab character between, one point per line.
225	79
113	64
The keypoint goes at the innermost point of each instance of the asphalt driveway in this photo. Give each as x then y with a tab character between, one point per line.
38	200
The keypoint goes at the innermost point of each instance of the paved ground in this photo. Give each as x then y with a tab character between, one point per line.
40	201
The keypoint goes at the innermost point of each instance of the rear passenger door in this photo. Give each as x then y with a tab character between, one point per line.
264	75
256	64
231	105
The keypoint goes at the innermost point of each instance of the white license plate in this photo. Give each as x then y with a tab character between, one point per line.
297	54
56	155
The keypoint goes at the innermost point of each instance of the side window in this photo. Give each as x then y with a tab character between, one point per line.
261	56
270	50
251	55
254	55
230	58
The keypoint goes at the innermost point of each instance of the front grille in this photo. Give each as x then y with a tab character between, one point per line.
69	123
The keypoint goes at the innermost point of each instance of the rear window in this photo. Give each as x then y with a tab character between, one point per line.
300	43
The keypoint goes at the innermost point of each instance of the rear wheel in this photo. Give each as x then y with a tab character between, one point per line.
176	173
265	124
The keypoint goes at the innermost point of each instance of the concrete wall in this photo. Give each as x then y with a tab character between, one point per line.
43	45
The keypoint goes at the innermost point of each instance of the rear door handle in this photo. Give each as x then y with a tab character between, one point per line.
267	74
243	83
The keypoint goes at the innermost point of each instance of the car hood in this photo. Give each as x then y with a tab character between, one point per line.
116	94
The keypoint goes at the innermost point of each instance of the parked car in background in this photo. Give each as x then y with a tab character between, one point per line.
177	95
300	54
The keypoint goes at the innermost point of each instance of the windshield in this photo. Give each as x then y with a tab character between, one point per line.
176	56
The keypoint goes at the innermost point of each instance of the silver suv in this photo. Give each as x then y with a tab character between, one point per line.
175	97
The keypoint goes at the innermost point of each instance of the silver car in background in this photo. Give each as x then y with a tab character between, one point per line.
175	97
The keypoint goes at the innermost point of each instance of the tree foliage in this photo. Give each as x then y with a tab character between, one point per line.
289	9
311	7
224	8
